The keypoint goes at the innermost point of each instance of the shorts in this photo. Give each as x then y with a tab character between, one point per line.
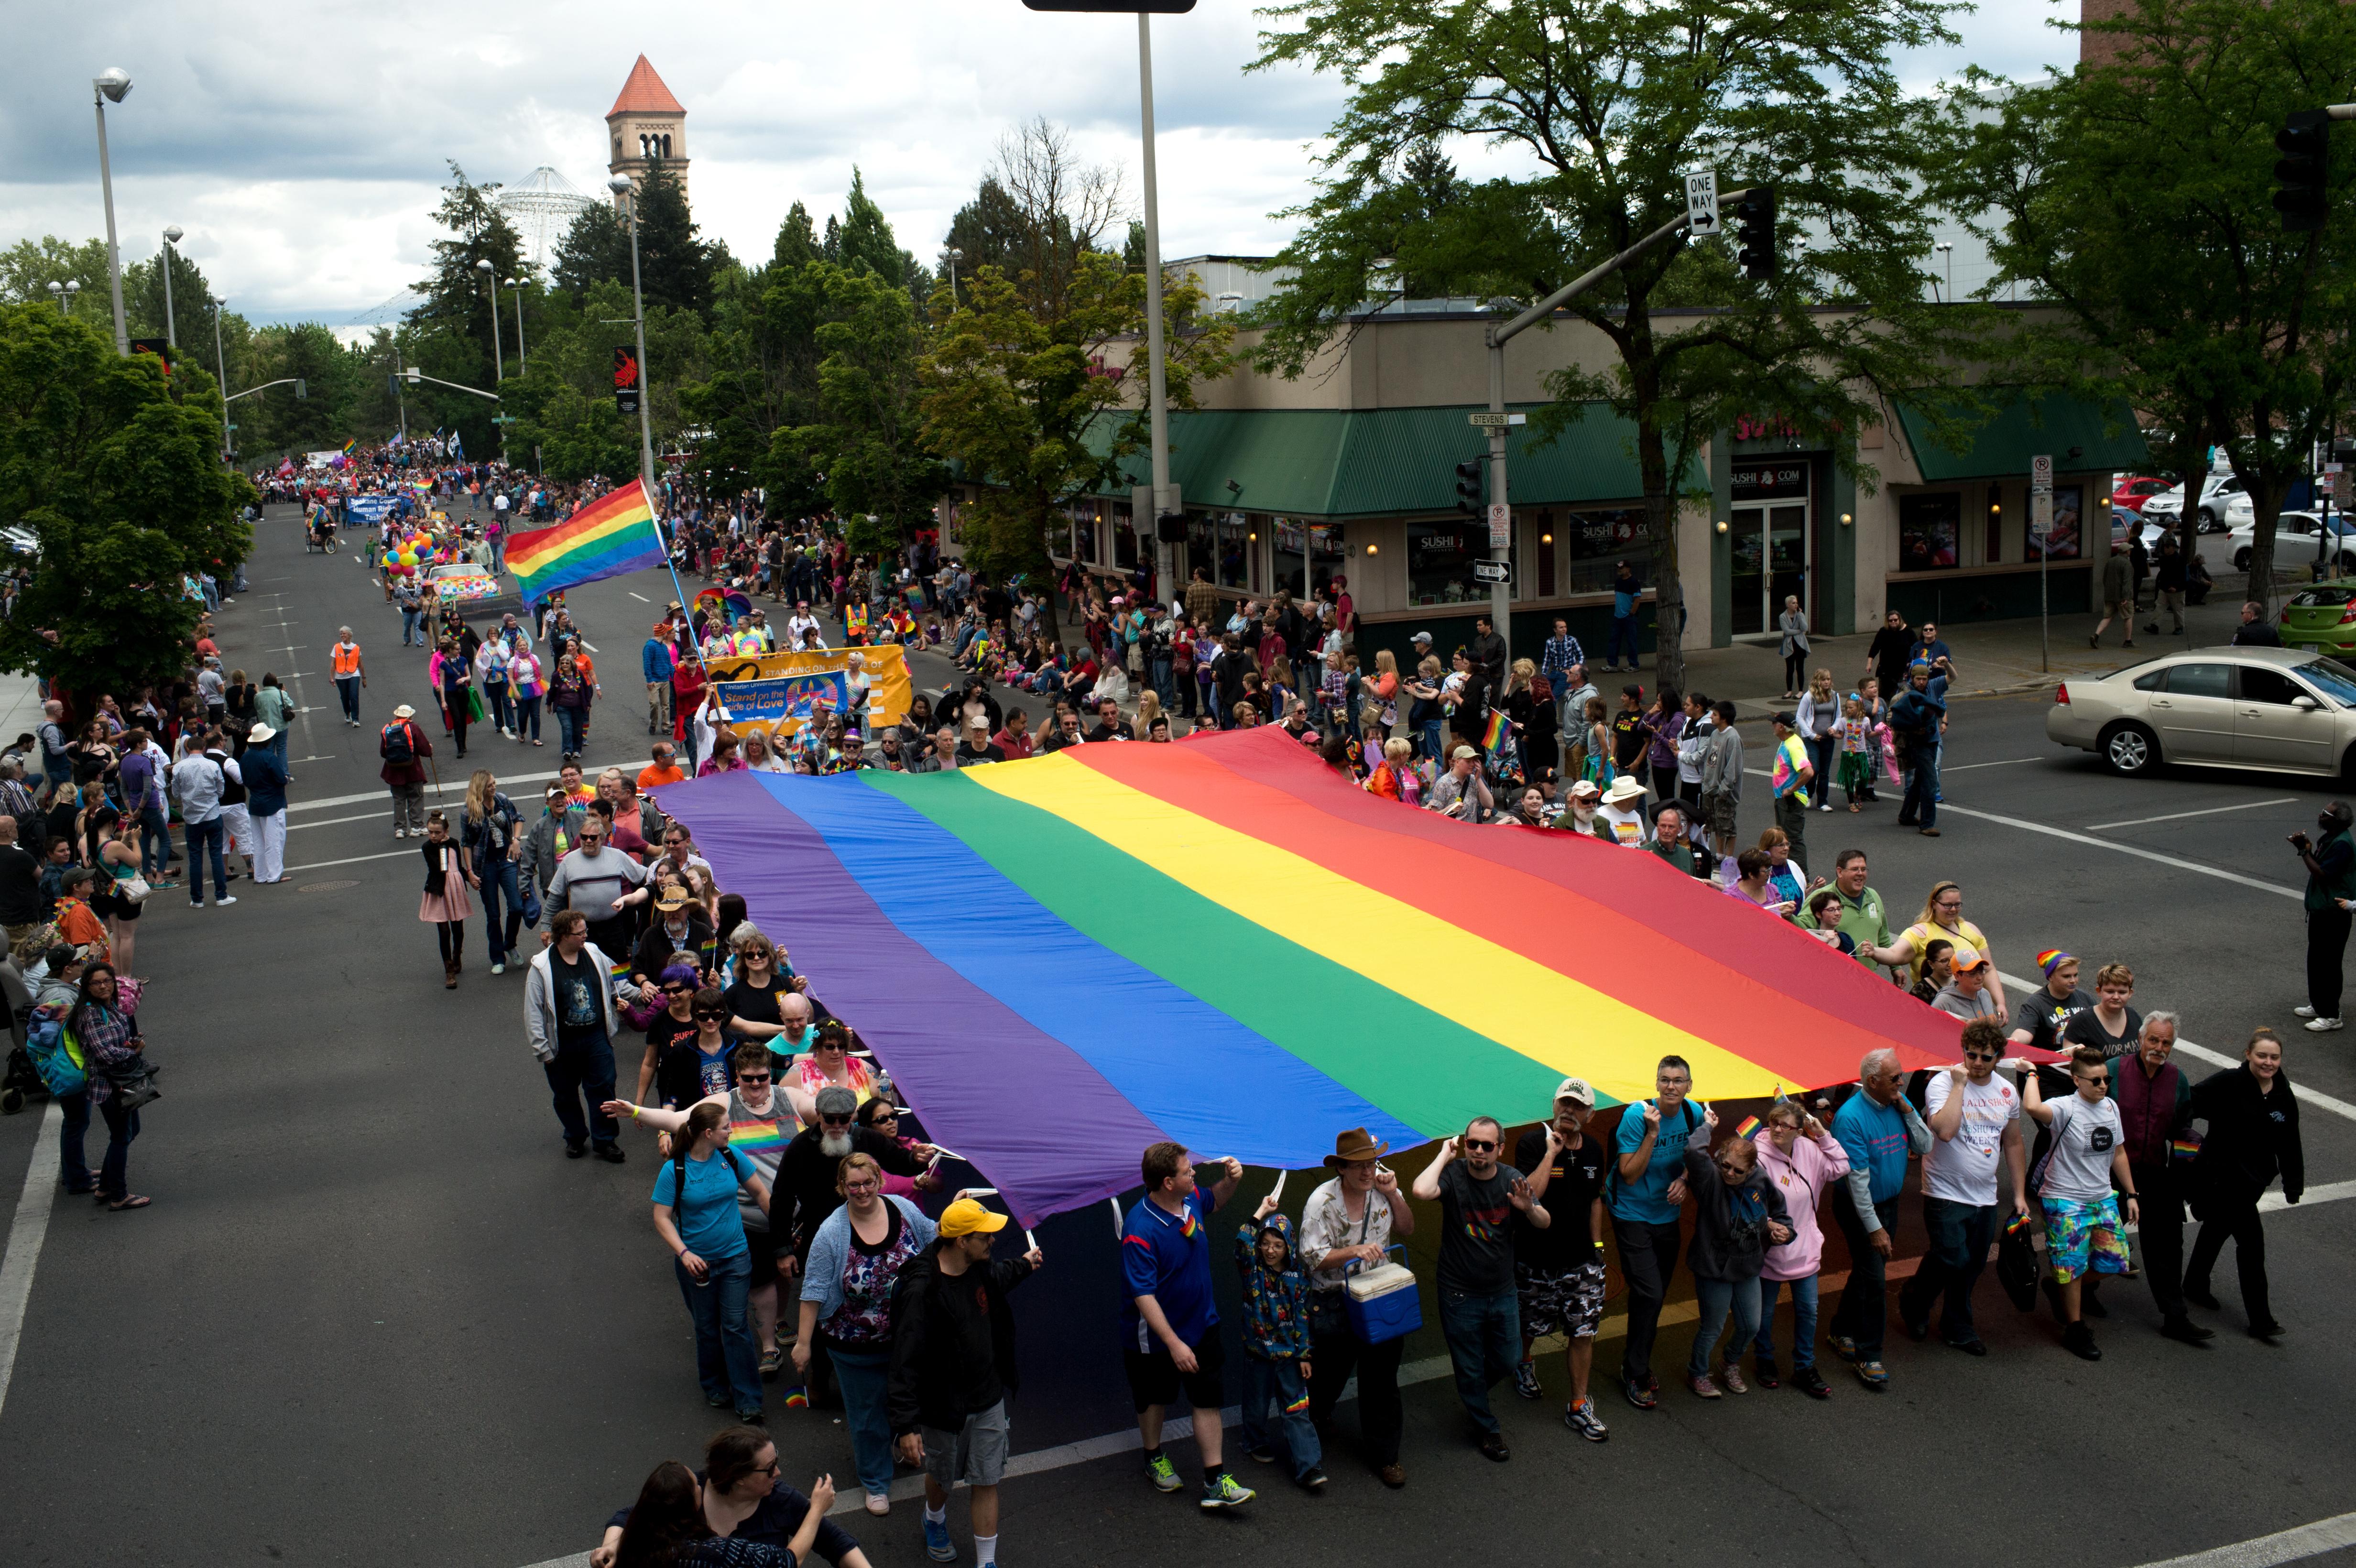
1569	1303
1154	1377
1717	809
975	1454
2083	1237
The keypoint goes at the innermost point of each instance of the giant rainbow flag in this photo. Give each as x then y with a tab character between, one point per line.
1222	941
611	536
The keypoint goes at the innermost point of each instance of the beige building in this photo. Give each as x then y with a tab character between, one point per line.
1355	463
645	125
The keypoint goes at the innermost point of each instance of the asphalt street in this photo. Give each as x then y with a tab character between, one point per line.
373	1316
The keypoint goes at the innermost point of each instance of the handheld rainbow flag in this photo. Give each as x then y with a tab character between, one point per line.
1745	1127
609	537
1500	731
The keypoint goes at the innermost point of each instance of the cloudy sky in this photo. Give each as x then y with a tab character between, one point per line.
299	146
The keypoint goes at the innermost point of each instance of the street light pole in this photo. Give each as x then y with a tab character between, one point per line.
221	366
952	256
171	237
620	186
1157	393
523	367
491	282
109	87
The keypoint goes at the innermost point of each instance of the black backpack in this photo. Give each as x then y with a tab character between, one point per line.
398	748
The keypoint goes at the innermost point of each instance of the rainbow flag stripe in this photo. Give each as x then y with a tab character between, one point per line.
1745	1127
609	537
1225	943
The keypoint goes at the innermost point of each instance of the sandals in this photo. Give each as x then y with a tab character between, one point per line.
129	1201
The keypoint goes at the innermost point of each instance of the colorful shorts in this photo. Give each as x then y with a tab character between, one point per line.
1569	1303
2083	1237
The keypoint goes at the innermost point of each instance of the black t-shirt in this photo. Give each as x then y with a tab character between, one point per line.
1572	1187
20	887
1118	731
2086	1028
1628	739
759	1003
580	1009
1476	1243
2046	1018
970	756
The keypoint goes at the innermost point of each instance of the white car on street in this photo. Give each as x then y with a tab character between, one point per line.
2216	494
2297	536
2226	706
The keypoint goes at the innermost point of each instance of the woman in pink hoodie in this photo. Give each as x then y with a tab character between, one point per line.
1803	1160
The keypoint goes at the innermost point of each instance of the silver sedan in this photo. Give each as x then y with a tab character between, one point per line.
2227	707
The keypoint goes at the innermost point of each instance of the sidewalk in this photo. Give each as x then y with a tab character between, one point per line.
20	707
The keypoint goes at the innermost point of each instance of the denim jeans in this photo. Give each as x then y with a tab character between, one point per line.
1961	1234
1278	1382
1484	1344
1162	682
408	632
1648	1257
1623	630
348	692
1863	1314
526	717
1716	1297
569	726
502	884
122	1127
502	712
1804	1320
205	837
727	1362
1431	734
155	842
1920	806
582	1072
73	1164
863	1376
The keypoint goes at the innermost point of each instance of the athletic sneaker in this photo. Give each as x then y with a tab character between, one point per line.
1525	1380
1843	1346
1261	1456
1642	1397
2314	1025
937	1542
1810	1381
1703	1388
1581	1418
2302	1011
1163	1475
1873	1374
1730	1376
1225	1492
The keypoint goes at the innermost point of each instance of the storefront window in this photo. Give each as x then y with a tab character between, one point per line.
1124	540
1326	547
1596	541
2069	513
1928	528
1084	540
1440	558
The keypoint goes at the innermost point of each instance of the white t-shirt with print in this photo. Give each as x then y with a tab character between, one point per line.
1962	1169
2085	1135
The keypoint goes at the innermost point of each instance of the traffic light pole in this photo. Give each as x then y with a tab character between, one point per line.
1500	594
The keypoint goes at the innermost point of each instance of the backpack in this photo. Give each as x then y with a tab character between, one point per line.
399	749
55	1057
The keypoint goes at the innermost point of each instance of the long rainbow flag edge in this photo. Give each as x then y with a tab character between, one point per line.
1223	942
609	537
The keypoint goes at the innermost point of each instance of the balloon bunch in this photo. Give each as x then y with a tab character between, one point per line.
408	554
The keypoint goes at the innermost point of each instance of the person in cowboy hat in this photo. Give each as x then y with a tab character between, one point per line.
1345	1227
405	748
1623	813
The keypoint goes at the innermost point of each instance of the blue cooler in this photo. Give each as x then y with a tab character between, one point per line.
1383	1303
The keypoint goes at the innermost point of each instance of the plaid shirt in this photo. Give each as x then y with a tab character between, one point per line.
1561	654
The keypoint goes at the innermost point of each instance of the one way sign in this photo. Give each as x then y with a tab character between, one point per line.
1701	202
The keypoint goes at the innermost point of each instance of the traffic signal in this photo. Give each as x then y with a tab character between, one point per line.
1754	233
301	387
1468	487
2305	141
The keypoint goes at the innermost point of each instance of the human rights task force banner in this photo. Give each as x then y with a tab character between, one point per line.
779	693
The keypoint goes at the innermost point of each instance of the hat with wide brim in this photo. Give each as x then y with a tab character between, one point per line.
258	734
405	712
1624	789
1353	1146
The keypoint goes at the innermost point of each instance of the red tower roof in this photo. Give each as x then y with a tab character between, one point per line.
644	93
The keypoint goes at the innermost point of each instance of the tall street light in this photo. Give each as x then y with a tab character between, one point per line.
171	237
621	187
109	87
1165	555
64	295
952	256
523	367
220	368
491	282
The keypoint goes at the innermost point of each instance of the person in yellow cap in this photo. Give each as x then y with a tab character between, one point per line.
953	1368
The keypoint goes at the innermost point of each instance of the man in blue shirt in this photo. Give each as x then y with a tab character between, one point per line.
656	662
1879	1131
1647	1192
1917	717
1169	1325
1625	591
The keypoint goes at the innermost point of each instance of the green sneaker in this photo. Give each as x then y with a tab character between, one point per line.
1164	1473
1225	1492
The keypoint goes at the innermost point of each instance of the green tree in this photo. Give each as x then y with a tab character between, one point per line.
988	231
191	303
676	265
595	249
1601	110
796	240
119	475
866	240
2135	198
867	441
457	304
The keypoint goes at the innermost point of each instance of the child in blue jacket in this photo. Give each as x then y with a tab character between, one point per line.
1275	1345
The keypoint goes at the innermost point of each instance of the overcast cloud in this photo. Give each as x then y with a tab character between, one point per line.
300	145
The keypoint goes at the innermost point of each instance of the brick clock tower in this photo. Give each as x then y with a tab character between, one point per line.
646	123
2094	48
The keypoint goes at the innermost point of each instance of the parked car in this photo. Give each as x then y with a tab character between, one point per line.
2216	490
2241	509
2296	535
2286	709
2129	494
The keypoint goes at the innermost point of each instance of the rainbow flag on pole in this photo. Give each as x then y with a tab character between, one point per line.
606	539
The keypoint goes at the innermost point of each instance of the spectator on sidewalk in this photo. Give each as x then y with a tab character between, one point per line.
2255	631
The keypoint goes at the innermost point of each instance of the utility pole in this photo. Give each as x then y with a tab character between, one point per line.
1165	554
171	237
620	186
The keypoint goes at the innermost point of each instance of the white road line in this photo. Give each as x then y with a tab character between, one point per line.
2320	1100
24	1237
2027	827
2283	1546
2181	816
2329	1193
637	596
349	860
2007	762
371	817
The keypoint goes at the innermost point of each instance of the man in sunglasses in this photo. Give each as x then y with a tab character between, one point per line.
1479	1314
1976	1148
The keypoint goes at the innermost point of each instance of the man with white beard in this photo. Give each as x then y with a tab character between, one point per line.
804	1193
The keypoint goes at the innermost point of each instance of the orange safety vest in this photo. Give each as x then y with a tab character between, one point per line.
346	658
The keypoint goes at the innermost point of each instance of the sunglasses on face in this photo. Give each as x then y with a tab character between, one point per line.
1981	1056
1479	1146
678	990
708	1017
752	1078
834	1121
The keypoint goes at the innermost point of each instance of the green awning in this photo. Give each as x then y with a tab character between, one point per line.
1346	463
2028	425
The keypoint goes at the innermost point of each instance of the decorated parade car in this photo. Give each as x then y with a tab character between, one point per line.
461	582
